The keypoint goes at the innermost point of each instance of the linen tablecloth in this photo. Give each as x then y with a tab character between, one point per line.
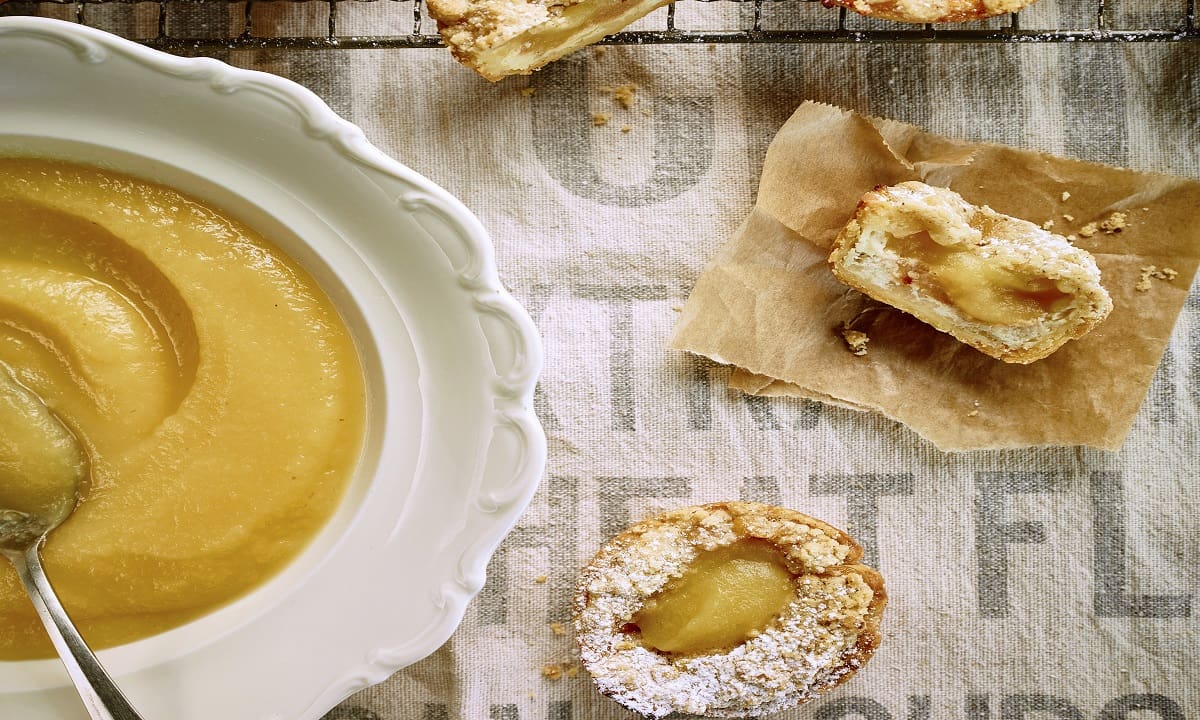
1044	584
1047	584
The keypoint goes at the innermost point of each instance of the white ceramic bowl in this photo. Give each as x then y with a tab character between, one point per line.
454	451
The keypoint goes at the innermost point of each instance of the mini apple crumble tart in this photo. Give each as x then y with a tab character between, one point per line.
1000	284
727	610
498	38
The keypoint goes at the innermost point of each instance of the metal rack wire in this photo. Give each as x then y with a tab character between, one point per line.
241	32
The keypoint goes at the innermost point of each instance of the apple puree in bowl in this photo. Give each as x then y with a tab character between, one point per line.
216	391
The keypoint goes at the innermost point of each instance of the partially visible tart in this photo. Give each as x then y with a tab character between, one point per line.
726	610
498	38
932	11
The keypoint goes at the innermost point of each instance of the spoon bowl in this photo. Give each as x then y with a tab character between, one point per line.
42	466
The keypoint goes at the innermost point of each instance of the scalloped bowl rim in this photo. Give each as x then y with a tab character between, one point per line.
506	468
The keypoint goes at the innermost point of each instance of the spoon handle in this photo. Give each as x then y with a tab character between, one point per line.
100	695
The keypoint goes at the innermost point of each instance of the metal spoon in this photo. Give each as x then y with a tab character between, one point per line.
41	467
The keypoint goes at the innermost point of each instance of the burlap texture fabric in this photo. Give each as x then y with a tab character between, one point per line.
1052	584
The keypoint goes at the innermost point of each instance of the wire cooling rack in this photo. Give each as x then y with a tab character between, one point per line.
238	24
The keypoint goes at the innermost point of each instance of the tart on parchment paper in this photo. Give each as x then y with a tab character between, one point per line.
726	610
1002	285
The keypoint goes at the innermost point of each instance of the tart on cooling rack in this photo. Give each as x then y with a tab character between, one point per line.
726	610
932	11
497	38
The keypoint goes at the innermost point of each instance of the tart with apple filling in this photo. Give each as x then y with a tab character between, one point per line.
1002	285
726	610
498	38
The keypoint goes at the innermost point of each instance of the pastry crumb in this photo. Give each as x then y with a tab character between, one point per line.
1115	222
1153	272
1072	237
856	340
599	51
600	119
626	128
624	95
1068	217
973	413
540	579
558	628
1048	225
1066	196
528	91
557	671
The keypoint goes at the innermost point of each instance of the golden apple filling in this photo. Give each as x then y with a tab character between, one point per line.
202	380
986	291
725	597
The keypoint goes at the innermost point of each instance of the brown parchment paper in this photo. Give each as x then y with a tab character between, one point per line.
769	305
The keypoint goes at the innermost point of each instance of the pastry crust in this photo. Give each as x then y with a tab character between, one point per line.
827	632
498	38
874	254
933	11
